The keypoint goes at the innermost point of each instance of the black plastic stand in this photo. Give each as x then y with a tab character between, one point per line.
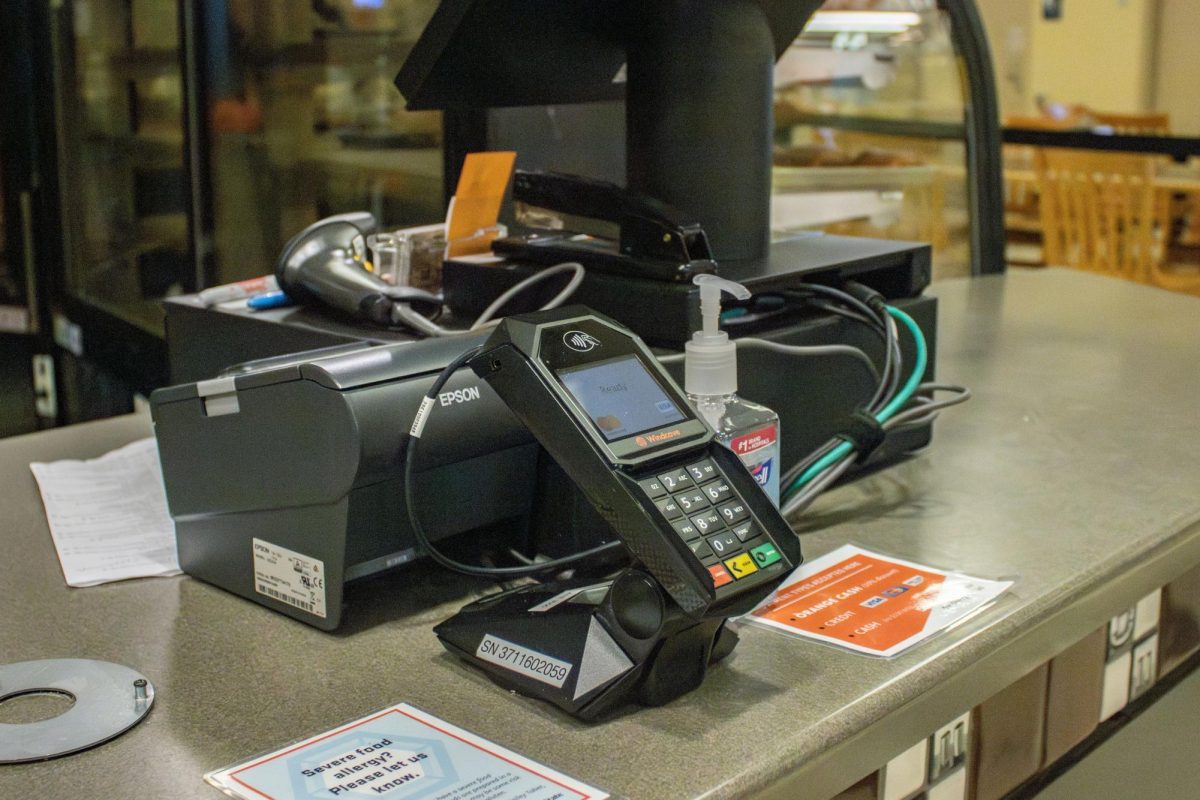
589	647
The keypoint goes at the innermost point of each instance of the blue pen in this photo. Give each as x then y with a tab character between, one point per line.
261	302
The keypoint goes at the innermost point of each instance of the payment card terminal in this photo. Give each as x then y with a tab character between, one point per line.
707	541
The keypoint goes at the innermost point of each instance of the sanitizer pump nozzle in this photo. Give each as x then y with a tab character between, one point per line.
711	365
710	379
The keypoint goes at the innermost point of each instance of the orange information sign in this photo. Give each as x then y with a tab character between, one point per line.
871	603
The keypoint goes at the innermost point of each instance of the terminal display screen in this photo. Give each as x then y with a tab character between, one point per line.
620	396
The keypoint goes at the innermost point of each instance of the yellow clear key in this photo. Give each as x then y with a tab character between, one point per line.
741	566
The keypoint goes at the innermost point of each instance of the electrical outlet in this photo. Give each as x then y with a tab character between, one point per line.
1120	632
948	747
1145	667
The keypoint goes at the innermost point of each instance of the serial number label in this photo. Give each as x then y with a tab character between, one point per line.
529	663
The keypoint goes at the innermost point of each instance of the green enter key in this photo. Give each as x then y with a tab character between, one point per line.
765	554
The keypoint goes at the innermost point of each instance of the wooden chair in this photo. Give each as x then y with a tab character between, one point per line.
1022	216
1149	124
1100	212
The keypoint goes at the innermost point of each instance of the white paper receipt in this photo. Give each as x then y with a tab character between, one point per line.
108	516
400	753
289	577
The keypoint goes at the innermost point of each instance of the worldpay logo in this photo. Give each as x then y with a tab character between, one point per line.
580	342
656	438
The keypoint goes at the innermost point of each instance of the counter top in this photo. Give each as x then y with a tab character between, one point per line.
1073	470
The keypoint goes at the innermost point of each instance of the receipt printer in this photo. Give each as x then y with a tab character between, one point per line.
283	479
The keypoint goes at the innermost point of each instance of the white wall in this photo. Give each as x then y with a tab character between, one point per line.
1177	64
1115	55
1100	54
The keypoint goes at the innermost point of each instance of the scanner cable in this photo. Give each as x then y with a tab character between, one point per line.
403	314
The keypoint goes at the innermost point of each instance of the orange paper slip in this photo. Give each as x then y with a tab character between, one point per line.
871	603
477	200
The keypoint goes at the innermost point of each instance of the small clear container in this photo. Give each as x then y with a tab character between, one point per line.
421	251
385	257
425	255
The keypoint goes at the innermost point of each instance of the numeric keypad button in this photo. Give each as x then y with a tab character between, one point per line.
707	523
686	530
745	531
691	501
703	471
717	492
653	487
734	512
676	480
724	544
669	508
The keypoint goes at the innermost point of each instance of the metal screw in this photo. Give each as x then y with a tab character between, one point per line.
139	689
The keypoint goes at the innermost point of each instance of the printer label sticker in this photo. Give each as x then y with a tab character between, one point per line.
529	663
289	577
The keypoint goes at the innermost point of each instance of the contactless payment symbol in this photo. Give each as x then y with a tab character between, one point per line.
580	342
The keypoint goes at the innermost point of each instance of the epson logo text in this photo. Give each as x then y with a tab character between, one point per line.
459	396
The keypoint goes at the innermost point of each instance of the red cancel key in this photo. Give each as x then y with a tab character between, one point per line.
720	576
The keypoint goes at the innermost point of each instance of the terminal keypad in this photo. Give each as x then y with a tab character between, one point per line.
714	522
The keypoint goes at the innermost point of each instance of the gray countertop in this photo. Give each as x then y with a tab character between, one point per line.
1074	470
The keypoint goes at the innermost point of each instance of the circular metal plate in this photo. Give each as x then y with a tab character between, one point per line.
106	705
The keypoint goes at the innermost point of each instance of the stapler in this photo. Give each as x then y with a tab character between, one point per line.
606	228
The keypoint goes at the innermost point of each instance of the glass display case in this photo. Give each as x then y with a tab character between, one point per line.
870	135
122	158
22	347
193	139
16	391
17	173
301	120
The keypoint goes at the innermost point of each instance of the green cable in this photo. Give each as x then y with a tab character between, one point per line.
902	397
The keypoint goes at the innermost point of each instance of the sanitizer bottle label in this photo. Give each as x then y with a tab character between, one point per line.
759	451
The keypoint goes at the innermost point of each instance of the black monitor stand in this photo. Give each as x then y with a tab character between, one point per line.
697	77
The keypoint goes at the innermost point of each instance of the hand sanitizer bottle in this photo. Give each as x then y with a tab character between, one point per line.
710	380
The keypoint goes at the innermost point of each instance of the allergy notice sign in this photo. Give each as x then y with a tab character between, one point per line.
871	603
399	753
